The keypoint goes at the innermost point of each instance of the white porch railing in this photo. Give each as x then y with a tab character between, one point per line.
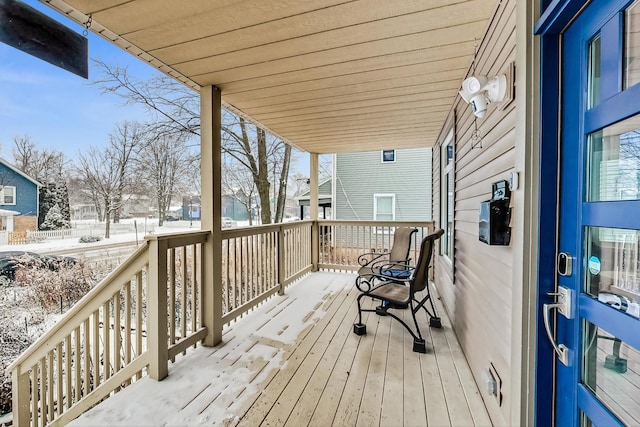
341	242
150	309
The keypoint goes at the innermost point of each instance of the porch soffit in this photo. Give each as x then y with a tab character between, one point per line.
327	76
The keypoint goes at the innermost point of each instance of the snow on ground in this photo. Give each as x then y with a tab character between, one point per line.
212	386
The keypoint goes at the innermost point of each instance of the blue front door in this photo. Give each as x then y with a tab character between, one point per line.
598	382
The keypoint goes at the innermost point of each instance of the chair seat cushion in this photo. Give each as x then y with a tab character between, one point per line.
395	273
392	292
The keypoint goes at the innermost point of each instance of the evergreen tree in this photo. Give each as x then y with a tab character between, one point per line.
54	220
54	194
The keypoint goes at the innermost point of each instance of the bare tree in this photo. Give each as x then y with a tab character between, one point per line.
164	162
101	175
44	165
175	112
124	142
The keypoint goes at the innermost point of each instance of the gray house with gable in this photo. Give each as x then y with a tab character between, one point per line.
387	185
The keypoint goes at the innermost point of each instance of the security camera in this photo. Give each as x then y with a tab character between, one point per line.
480	91
478	105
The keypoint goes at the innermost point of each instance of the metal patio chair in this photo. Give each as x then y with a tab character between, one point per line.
401	293
371	262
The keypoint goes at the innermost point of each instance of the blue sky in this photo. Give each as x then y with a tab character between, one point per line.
58	109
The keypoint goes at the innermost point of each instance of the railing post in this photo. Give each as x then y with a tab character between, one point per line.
211	210
157	310
315	245
281	263
20	398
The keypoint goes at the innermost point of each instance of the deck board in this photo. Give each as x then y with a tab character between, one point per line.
295	361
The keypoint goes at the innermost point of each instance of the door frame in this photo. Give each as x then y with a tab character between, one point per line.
556	17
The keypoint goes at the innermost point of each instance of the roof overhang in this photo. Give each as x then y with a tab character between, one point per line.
325	75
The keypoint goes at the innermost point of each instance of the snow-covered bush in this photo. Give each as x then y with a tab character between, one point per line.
54	220
89	239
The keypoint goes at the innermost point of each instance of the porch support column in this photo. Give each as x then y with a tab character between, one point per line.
313	209
211	211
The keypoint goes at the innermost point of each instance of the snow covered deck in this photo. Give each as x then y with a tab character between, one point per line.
295	361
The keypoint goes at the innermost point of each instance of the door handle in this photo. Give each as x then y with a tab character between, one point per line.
563	305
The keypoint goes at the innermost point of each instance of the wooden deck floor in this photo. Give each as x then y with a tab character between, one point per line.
309	369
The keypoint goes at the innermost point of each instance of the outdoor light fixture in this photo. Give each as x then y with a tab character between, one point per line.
479	91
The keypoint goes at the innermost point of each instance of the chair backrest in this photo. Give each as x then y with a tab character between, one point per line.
401	244
420	277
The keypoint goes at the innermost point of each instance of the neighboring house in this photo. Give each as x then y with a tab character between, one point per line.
84	211
325	199
18	199
234	206
387	185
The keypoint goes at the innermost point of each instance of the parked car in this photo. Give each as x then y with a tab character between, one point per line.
228	222
11	261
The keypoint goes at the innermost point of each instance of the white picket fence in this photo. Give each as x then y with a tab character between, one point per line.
77	231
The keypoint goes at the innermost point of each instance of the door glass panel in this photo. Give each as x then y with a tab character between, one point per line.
613	263
613	168
585	421
632	45
594	72
611	370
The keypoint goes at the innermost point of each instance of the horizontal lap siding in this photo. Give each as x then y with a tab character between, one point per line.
479	300
361	175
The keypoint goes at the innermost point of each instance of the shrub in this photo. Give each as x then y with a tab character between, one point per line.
52	288
89	239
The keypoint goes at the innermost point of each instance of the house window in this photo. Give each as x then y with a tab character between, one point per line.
384	207
447	195
388	156
8	195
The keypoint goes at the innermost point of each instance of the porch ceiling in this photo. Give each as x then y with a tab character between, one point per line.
325	75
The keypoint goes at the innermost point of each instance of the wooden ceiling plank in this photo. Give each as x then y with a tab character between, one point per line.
235	18
344	67
248	63
381	104
341	104
432	89
298	35
276	96
348	117
417	70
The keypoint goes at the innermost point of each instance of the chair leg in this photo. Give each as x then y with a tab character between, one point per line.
359	328
419	346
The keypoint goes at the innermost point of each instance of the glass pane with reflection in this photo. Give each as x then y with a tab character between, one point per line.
613	168
611	370
613	268
632	45
594	72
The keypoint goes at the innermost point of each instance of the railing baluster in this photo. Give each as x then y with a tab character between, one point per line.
77	369
106	347
117	335
183	296
68	353
172	295
194	288
138	318
43	391
35	397
59	381
94	345
127	325
87	357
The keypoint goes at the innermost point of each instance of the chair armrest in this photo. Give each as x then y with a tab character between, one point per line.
369	257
